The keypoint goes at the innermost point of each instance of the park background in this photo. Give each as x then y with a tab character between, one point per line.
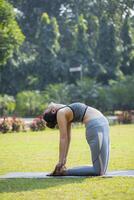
66	51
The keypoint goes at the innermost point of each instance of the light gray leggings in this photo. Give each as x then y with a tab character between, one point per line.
97	136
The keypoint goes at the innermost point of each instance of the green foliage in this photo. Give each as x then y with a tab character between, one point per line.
7	104
122	93
117	96
107	55
48	40
97	35
29	103
85	91
11	36
45	18
104	101
127	48
82	52
49	35
57	93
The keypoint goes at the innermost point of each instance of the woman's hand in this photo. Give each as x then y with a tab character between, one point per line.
59	170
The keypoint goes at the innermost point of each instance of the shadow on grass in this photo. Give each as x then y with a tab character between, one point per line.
18	185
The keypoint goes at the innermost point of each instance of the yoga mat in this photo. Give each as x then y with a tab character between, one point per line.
120	173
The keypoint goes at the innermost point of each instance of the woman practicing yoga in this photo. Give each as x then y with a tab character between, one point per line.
97	136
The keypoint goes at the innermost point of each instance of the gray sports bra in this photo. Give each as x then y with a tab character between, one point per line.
79	110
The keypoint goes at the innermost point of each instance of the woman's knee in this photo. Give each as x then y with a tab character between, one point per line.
99	168
99	173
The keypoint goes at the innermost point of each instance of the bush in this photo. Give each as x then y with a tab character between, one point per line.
38	124
122	94
5	125
17	124
29	103
11	124
7	104
124	117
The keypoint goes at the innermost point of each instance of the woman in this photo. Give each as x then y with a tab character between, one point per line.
97	136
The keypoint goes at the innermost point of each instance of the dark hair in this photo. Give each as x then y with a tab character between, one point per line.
51	119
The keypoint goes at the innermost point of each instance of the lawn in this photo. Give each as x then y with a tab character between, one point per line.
38	151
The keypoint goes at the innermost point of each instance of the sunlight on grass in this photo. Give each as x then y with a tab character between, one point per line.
39	152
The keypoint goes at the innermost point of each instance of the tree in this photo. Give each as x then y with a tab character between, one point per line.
32	11
57	93
75	48
121	93
107	57
85	91
127	48
18	74
60	34
48	40
11	36
82	52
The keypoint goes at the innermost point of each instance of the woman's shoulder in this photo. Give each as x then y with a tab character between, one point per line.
65	112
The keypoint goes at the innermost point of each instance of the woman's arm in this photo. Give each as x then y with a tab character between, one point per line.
64	137
69	139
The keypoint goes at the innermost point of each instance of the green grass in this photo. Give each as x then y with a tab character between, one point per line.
36	152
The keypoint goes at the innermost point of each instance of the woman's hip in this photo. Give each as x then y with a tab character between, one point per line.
97	126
